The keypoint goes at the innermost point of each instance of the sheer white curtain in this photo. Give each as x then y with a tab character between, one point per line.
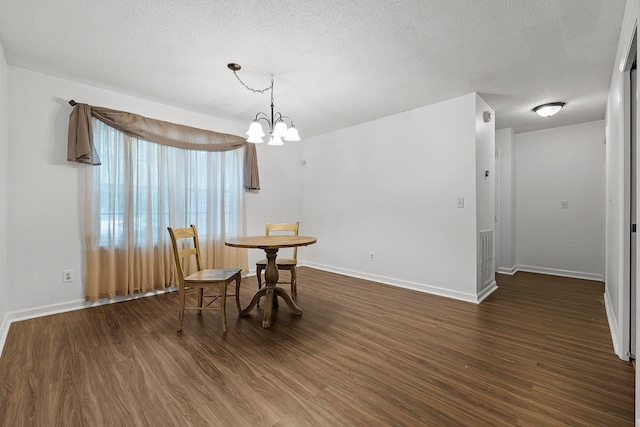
140	189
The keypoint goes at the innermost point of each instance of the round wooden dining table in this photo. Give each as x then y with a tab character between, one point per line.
271	245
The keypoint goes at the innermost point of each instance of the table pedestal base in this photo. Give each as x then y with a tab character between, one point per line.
271	291
272	294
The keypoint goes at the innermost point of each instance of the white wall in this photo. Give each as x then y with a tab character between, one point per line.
46	192
506	144
390	187
4	179
485	185
485	161
616	244
555	165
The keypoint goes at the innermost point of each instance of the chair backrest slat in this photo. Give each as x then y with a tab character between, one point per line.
286	227
180	234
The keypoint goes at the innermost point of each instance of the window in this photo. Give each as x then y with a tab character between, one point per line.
145	187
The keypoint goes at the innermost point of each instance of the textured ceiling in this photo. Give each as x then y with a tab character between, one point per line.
336	62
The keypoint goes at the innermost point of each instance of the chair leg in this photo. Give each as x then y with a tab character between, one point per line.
223	305
259	274
294	284
200	296
238	279
181	307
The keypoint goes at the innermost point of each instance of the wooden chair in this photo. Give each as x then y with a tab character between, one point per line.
282	263
202	279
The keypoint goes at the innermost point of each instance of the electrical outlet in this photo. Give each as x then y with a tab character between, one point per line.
67	276
372	256
564	204
460	202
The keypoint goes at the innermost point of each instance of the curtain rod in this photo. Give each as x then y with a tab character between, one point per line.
73	103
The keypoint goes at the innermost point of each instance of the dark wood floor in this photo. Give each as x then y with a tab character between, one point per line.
536	353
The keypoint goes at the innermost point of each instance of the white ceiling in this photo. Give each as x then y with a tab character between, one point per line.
336	62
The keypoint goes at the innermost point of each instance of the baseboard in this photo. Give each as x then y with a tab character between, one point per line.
488	290
558	272
46	310
614	328
402	283
4	330
507	270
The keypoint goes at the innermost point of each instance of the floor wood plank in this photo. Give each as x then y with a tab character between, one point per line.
537	352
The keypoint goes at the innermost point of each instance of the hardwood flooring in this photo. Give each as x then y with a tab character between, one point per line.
535	353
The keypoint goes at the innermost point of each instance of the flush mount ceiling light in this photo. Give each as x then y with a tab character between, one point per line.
277	127
548	110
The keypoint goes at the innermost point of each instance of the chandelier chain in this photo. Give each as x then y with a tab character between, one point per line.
261	91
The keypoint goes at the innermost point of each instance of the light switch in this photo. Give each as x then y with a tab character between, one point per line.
564	204
461	202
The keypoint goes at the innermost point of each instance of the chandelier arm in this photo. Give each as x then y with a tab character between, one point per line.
286	117
266	119
266	116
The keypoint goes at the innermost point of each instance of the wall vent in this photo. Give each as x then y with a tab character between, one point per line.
485	259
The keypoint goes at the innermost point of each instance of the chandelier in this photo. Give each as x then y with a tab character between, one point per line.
278	129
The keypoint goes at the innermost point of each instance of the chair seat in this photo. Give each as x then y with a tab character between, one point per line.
280	262
212	275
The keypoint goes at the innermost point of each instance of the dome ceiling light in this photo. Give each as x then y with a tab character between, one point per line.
548	110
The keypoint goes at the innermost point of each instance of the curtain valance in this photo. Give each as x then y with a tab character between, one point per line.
82	150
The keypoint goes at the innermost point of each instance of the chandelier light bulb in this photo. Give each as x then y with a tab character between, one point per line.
255	130
275	140
292	134
280	129
255	139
